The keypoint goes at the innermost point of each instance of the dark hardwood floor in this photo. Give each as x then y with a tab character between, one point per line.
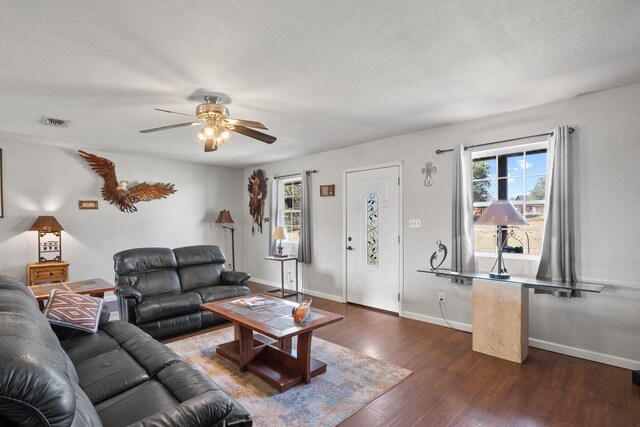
453	386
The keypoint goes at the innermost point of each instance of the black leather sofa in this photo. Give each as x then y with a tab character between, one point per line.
160	290
117	376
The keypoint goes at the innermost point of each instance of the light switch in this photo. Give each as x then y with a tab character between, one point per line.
414	223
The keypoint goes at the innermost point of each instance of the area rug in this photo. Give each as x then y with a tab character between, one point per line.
351	382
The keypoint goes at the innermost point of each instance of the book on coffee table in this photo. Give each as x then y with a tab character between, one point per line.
254	302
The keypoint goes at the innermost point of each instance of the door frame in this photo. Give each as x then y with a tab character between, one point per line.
399	164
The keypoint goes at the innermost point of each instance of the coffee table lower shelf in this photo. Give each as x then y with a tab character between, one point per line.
277	367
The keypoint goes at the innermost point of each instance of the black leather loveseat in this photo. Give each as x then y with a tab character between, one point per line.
160	290
117	376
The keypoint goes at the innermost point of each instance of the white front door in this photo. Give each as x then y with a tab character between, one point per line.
372	243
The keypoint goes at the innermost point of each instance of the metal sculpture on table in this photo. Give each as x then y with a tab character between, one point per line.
117	193
434	257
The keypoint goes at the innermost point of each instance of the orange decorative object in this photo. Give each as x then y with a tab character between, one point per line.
302	312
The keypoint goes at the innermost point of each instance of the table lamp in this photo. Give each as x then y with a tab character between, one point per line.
49	238
224	217
280	234
502	214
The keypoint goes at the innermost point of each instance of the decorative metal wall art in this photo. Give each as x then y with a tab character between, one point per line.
372	229
117	193
257	195
434	257
428	170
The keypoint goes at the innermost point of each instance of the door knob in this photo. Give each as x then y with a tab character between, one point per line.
349	248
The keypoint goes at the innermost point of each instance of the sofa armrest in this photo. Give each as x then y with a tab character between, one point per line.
234	278
128	292
198	411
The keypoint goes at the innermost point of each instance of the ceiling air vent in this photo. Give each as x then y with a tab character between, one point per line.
50	121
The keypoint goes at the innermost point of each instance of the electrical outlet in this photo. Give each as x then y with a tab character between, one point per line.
414	223
441	297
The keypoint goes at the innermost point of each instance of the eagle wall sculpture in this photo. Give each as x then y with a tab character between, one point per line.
117	193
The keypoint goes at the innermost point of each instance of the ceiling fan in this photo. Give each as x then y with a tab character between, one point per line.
217	125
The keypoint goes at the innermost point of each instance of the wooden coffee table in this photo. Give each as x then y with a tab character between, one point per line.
272	359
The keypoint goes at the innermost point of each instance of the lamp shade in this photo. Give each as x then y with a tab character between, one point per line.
47	224
224	217
280	233
501	212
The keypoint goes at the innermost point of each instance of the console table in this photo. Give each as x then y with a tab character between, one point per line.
500	308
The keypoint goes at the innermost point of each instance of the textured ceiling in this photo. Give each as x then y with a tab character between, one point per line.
320	75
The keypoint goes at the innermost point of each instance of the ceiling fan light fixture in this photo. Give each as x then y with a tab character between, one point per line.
208	131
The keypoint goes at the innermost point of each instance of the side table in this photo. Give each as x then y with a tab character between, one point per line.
93	287
284	292
47	272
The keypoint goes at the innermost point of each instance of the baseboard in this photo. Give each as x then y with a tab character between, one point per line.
306	291
266	282
585	354
323	295
537	343
436	321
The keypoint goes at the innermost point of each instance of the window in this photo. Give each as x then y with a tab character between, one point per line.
518	174
372	229
290	206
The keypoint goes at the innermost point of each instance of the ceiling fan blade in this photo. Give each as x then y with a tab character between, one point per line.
245	123
174	112
179	125
209	146
254	134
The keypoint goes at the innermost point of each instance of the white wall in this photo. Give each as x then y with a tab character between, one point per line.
600	327
39	179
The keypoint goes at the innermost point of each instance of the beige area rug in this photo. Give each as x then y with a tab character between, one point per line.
351	382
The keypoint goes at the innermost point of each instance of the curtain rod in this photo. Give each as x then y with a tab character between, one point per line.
294	174
439	151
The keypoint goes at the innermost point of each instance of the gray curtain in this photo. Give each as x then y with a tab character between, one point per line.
304	244
557	257
274	215
462	259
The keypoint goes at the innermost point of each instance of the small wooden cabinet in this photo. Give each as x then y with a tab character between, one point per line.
47	272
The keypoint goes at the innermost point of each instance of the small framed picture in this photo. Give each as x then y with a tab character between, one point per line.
328	190
87	204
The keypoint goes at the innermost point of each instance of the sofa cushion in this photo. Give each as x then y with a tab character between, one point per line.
166	306
152	355
152	283
216	293
151	271
71	310
199	254
109	374
135	404
174	326
199	266
178	395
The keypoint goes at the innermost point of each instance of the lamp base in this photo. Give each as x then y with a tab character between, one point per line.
499	275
